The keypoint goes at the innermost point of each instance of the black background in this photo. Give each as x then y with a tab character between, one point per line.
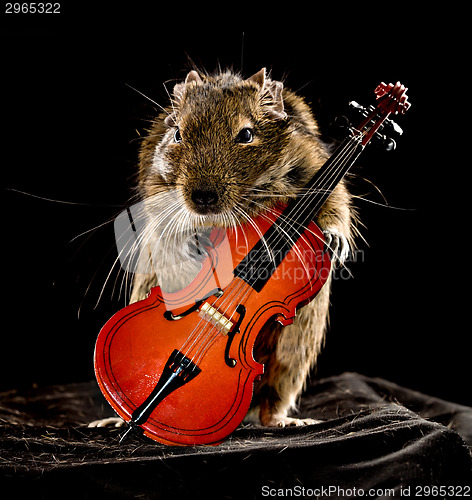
70	133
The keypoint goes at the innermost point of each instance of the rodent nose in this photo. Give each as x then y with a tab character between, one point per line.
204	197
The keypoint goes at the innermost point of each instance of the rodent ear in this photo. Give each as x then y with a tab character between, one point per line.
258	78
169	120
179	90
274	89
193	76
277	110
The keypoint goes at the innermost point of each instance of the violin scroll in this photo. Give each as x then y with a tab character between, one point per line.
392	98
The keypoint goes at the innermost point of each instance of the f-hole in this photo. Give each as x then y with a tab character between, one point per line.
231	362
218	292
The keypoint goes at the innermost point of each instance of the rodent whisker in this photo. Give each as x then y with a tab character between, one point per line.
135	251
141	137
251	221
285	234
271	210
87	290
299	232
298	191
171	100
92	229
239	222
148	98
88	234
386	204
288	237
293	222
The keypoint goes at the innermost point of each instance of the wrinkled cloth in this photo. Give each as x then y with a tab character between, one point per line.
376	438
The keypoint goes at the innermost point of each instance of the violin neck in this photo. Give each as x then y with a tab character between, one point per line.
263	259
306	206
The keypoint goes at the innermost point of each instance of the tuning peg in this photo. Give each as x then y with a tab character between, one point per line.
388	143
394	126
355	105
341	121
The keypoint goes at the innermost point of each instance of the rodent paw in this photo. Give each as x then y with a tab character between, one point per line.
337	244
108	422
294	422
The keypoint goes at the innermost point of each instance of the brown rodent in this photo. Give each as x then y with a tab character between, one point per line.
225	149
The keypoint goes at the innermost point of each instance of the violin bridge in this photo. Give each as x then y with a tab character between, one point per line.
212	315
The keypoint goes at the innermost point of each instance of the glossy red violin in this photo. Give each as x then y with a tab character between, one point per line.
179	367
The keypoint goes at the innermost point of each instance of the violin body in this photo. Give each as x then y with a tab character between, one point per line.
179	367
186	377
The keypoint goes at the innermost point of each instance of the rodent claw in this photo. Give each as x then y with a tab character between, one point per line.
337	244
296	422
107	422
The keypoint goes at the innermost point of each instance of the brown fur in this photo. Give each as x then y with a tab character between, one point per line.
286	151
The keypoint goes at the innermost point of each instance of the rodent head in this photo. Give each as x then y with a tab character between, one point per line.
224	146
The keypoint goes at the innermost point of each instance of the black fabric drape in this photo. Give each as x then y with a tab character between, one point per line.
376	439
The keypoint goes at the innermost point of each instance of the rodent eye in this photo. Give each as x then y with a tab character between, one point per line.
245	136
177	136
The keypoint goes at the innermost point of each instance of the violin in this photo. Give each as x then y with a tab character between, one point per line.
179	367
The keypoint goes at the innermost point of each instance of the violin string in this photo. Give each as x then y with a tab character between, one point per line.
206	324
325	183
214	330
328	177
328	181
216	306
199	337
232	298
